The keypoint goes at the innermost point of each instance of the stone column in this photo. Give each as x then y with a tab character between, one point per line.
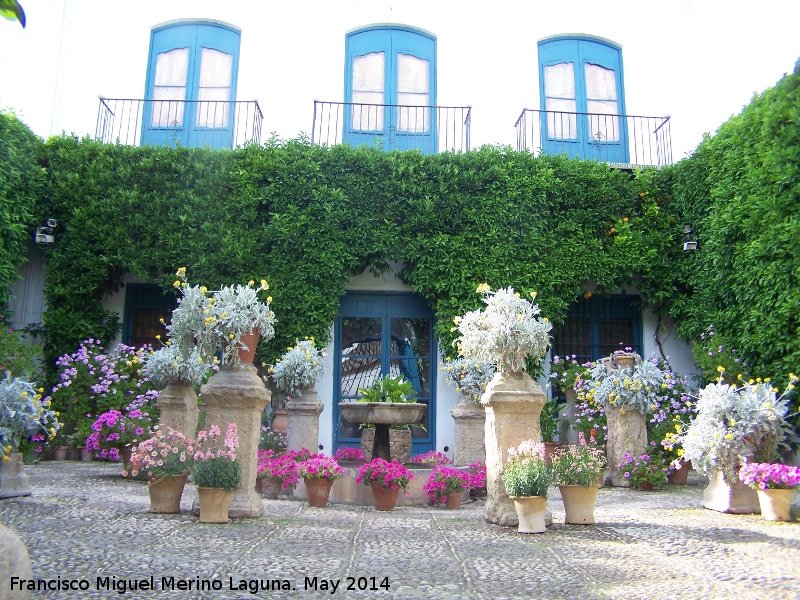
236	394
513	404
14	482
303	427
627	433
14	562
177	404
470	444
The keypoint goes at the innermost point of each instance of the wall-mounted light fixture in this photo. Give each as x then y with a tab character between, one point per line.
688	244
44	234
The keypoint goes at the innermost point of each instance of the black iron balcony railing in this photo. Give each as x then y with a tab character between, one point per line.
429	129
625	141
187	123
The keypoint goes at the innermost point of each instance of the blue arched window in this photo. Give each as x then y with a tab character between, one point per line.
582	97
191	83
390	87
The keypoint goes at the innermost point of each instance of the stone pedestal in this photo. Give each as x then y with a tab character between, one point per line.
303	427
177	405
627	433
14	481
14	562
470	444
567	434
236	394
730	497
513	404
400	441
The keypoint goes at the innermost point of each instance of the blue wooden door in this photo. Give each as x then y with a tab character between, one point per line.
390	89
191	85
582	98
384	334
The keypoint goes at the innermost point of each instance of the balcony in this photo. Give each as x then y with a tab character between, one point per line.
187	123
623	141
429	129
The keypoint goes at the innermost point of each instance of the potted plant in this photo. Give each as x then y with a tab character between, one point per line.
351	455
735	425
526	478
386	480
775	484
22	413
433	458
236	317
646	472
113	433
272	440
298	368
217	472
576	469
276	472
567	372
469	377
319	473
446	486
167	458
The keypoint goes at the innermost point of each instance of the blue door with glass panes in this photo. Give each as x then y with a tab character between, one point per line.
375	335
191	84
390	88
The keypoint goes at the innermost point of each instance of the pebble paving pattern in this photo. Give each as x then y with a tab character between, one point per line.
85	521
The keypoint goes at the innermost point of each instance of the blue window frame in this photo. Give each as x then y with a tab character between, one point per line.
378	334
582	93
191	81
390	88
597	326
145	305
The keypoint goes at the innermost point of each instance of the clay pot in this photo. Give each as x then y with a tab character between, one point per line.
60	453
251	341
454	500
281	421
385	498
775	504
214	505
165	495
87	455
579	503
318	491
530	511
678	476
271	487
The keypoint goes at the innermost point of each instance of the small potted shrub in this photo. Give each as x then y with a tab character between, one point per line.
775	484
646	472
319	473
167	458
526	477
217	472
576	469
446	486
298	368
386	480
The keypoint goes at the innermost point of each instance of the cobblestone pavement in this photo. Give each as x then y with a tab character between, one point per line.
84	521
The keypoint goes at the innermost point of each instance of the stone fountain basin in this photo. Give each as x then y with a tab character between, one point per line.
383	413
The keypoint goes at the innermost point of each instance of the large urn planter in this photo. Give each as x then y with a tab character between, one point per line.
177	405
318	491
530	513
775	504
385	498
579	502
14	482
730	497
214	505
165	495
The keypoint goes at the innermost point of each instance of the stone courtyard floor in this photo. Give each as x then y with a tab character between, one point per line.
84	522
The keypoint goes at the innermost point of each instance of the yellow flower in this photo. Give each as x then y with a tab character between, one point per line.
720	369
200	358
176	284
6	459
264	284
158	337
269	298
181	272
533	295
230	335
729	436
251	282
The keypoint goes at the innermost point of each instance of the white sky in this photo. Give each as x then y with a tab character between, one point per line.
698	61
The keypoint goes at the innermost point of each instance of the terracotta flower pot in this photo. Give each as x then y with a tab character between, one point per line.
271	487
579	503
318	491
550	448
214	505
678	476
385	498
251	341
281	421
453	501
60	453
125	456
775	504
165	495
530	511
86	455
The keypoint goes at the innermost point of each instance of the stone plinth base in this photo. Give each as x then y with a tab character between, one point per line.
14	562
14	481
513	404
470	446
237	395
399	444
627	433
303	427
734	497
177	404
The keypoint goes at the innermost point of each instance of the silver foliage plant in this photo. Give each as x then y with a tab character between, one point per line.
506	333
299	367
637	388
172	363
735	425
468	377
